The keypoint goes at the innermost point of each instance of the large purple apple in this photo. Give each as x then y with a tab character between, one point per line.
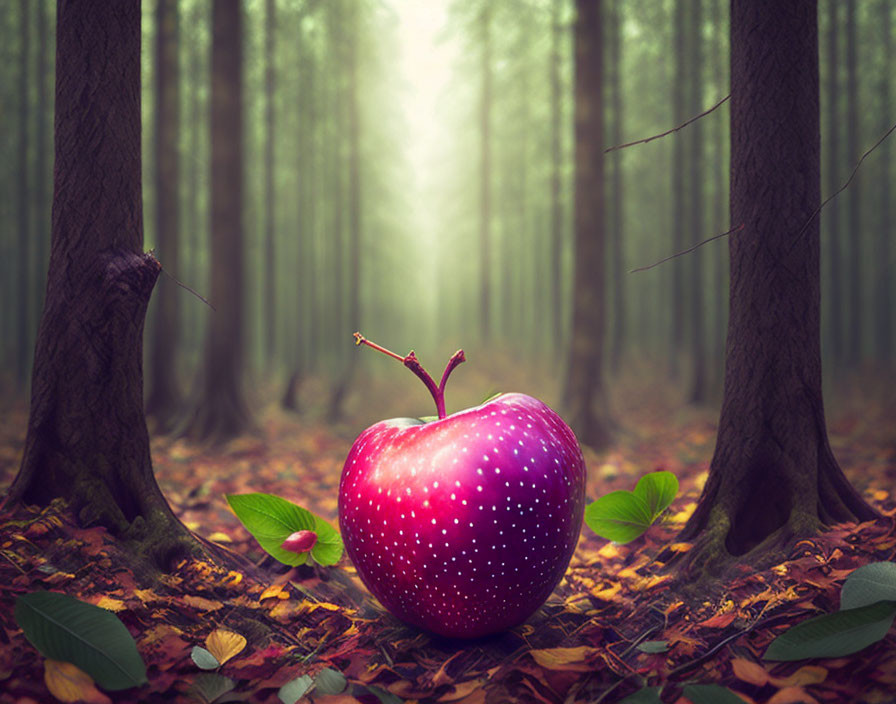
463	525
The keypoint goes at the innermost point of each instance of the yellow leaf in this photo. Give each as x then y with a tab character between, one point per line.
565	659
111	604
750	672
70	684
275	590
220	537
201	603
810	674
224	644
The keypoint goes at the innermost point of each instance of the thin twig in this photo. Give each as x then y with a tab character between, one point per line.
689	249
673	130
843	187
184	286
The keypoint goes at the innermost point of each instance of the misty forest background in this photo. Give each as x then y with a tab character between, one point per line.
408	172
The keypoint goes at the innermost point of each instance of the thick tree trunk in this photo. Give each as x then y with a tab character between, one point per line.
773	477
836	327
584	395
165	403
221	412
87	440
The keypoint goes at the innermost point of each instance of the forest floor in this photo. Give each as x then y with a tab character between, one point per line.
581	646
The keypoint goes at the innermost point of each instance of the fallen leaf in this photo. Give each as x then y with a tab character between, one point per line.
201	603
751	672
564	659
69	683
224	644
810	674
719	620
792	695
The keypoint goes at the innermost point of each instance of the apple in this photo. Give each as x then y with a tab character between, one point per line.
463	525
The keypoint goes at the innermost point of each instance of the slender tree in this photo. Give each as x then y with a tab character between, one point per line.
42	167
836	326
584	394
616	230
883	299
165	403
679	109
485	174
87	440
221	411
557	244
23	218
773	477
854	214
270	193
699	388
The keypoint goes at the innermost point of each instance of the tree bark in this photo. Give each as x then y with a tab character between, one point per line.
584	395
773	477
87	440
836	327
165	403
221	412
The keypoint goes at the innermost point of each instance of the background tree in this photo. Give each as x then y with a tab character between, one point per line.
584	396
165	401
87	440
221	411
773	477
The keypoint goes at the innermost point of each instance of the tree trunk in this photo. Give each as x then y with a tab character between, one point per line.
836	327
854	212
584	395
699	390
618	201
719	290
679	108
269	195
485	176
23	215
87	440
773	478
164	404
883	298
556	169
221	412
42	169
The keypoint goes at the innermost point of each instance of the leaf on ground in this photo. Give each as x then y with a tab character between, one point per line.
208	687
792	695
647	695
68	683
69	630
834	635
722	620
711	694
807	675
224	644
295	689
564	659
653	646
204	659
750	672
619	516
868	585
329	681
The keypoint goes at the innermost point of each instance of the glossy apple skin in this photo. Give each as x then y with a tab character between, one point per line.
464	526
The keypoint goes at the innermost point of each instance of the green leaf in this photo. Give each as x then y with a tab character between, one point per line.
710	694
619	516
329	681
204	659
653	646
647	695
271	520
834	635
428	419
868	585
328	548
93	639
658	489
293	691
384	696
208	687
491	397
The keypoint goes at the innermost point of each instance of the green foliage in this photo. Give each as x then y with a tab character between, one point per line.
204	660
647	695
868	607
294	690
653	646
330	681
622	516
271	520
208	687
93	639
326	682
710	694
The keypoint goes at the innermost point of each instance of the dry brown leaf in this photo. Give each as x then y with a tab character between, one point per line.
564	659
224	644
810	674
719	620
201	603
792	695
111	604
69	683
275	590
751	672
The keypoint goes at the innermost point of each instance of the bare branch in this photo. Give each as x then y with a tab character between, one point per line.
805	226
187	288
674	129
689	249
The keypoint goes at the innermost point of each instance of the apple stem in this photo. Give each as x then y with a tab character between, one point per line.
412	363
